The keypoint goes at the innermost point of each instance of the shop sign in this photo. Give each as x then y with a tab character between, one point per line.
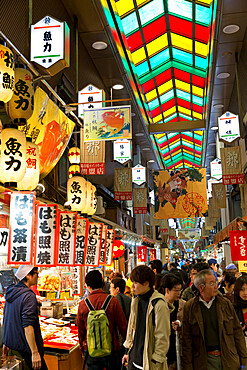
231	160
228	127
87	98
216	169
122	184
92	157
118	249
164	230
142	253
4	238
242	266
102	258
110	123
94	243
109	246
122	151
238	243
50	44
152	254
138	174
140	200
46	235
76	280
21	221
67	238
219	196
81	240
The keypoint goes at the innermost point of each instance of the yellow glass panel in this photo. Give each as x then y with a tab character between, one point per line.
207	2
201	49
197	91
182	85
157	118
139	56
157	44
184	110
140	2
159	136
169	112
181	42
165	87
151	95
198	132
197	115
124	6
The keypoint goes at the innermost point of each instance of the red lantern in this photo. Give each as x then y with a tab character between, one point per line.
118	248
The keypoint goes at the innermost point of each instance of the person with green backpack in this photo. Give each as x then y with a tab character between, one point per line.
100	317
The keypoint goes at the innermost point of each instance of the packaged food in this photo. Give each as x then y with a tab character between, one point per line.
49	280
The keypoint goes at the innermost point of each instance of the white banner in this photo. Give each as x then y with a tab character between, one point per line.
103	246
109	246
81	240
94	244
67	238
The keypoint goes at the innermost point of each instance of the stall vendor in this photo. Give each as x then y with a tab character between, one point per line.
22	335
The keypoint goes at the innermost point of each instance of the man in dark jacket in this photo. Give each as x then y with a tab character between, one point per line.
117	288
22	335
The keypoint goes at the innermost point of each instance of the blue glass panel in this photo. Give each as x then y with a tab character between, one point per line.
197	100
151	10
203	14
183	95
187	133
201	62
171	117
142	69
130	23
182	56
180	7
160	58
153	104
167	96
185	116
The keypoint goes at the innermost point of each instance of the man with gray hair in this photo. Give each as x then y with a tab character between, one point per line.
212	338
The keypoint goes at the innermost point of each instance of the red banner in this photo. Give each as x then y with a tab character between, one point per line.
92	168
233	179
238	243
142	253
152	254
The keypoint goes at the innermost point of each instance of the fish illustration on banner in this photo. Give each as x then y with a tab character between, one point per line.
181	193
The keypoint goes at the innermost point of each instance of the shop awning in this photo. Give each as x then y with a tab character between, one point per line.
237	224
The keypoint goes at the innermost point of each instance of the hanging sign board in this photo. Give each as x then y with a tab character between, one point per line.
81	240
4	238
92	157
67	238
232	165
21	221
216	169
228	127
46	235
138	174
88	96
109	246
122	184
122	151
76	280
242	266
152	254
50	44
142	253
140	200
238	243
94	243
102	258
219	196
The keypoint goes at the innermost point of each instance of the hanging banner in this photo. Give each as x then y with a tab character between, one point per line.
189	234
50	129
238	243
46	235
102	258
213	212
142	253
216	169
92	157
122	151
152	254
4	239
242	266
94	243
67	238
153	221
138	174
181	194
109	123
231	161
210	223
109	246
140	200
89	96
81	240
118	249
21	221
228	127
219	196
76	280
122	184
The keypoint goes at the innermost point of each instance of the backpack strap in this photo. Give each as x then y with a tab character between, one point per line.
89	304
106	303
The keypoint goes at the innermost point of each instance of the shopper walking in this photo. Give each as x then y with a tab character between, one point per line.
191	291
148	331
240	302
212	338
117	288
22	335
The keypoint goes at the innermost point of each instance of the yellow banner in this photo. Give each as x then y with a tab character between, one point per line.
180	194
242	266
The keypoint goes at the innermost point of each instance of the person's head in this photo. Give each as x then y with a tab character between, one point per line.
205	282
117	286
94	280
114	275
196	268
156	266
143	279
185	268
172	265
28	274
240	289
213	264
170	286
230	280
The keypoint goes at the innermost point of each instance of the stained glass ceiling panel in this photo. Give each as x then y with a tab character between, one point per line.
170	45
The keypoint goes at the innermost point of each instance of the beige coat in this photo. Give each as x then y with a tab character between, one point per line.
156	343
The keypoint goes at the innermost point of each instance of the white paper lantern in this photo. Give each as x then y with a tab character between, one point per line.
94	202
74	155
31	178
7	74
76	193
13	155
73	170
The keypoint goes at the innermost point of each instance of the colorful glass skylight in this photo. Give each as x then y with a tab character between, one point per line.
170	45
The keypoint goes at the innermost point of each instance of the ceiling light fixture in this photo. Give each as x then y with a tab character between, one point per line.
220	105
139	134
214	128
146	149
118	87
231	28
99	45
151	161
212	144
223	75
133	114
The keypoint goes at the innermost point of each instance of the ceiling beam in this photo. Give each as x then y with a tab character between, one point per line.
161	128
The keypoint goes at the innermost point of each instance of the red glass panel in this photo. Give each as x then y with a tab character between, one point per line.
197	108
135	41
155	112
188	149
169	104
148	86
184	103
176	119
154	29
175	149
181	75
198	81
174	138
163	77
180	26
202	33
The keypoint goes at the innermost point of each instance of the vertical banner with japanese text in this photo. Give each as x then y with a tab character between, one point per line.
231	161
94	244
142	253
152	254
67	238
238	243
21	221
219	196
76	280
46	235
102	258
81	240
140	200
109	246
92	157
123	184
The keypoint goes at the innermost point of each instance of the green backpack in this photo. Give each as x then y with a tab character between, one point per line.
99	339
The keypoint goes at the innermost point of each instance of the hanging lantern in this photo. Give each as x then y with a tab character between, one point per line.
93	202
76	193
31	178
7	75
73	170
13	155
88	198
20	107
74	155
